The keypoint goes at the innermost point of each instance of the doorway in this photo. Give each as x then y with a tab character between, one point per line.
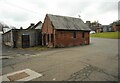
25	41
44	39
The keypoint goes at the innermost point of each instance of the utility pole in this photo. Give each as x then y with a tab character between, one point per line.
119	10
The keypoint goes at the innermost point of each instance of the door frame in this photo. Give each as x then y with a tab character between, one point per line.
25	42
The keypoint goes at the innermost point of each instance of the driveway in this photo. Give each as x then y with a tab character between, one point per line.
95	62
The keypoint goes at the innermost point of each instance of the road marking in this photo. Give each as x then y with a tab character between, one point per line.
22	75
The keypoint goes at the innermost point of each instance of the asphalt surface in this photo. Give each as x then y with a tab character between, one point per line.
0	50
95	62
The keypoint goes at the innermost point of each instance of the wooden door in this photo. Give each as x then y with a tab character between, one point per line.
25	41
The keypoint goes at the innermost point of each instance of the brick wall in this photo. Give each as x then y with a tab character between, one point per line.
66	38
115	28
47	30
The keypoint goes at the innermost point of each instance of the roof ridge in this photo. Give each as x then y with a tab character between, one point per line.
64	16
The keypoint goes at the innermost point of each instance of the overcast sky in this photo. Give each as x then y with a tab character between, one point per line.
23	12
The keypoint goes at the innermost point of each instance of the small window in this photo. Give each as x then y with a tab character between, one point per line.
83	34
52	38
74	34
48	37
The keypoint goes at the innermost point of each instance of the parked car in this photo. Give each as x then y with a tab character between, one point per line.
92	32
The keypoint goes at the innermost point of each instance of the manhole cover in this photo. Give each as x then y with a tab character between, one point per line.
22	75
17	76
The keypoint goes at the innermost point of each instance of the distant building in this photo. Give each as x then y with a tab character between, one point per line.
88	23
94	26
4	28
116	26
23	37
37	26
105	28
98	28
62	31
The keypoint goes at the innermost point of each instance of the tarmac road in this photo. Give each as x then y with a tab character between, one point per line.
95	62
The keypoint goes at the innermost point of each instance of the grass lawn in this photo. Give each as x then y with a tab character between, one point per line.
112	35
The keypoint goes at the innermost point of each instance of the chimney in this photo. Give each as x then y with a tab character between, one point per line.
88	23
32	24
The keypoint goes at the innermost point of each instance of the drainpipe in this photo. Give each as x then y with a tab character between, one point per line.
11	38
54	37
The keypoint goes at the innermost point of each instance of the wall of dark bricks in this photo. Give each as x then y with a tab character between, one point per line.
62	38
66	38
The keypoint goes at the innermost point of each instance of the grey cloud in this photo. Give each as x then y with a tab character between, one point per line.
38	3
101	7
74	8
62	7
107	6
15	16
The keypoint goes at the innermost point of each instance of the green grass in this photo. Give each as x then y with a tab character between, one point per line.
111	35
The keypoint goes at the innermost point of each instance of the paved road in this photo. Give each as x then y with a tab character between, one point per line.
0	50
95	62
0	44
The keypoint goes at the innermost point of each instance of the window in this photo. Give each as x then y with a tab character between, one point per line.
61	33
83	34
74	34
48	37
52	38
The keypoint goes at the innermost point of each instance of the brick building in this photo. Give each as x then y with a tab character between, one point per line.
62	31
94	26
116	26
